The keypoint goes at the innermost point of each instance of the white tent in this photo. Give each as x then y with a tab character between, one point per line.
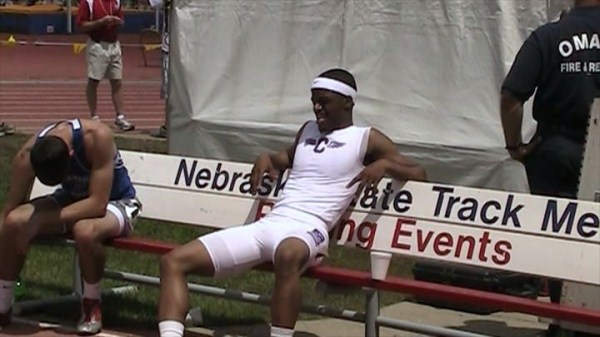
429	74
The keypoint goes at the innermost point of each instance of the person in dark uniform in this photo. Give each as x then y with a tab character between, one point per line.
95	201
561	60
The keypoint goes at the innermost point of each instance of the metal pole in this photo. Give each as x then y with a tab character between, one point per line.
69	17
240	296
77	280
24	307
157	18
372	311
307	308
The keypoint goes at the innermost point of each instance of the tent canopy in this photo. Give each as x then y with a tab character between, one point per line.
428	74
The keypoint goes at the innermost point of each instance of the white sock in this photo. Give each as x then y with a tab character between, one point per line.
6	295
281	332
171	329
120	116
91	291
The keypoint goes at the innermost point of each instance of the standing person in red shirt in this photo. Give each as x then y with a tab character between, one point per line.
101	19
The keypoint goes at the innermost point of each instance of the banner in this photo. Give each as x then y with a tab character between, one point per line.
552	237
509	231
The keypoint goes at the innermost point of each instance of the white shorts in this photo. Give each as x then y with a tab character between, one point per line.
237	249
127	211
104	60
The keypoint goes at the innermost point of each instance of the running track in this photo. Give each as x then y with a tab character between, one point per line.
42	84
32	104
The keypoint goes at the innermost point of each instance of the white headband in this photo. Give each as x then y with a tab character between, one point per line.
334	85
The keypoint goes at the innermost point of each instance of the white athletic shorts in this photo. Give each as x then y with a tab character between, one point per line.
237	249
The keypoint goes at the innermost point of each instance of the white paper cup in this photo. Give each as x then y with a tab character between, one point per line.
380	262
194	317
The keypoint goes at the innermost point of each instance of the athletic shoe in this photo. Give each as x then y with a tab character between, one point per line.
91	317
7	129
553	331
6	318
160	133
123	124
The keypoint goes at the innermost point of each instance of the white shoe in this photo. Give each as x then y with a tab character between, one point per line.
123	124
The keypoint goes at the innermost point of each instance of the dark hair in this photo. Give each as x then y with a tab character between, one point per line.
341	75
50	160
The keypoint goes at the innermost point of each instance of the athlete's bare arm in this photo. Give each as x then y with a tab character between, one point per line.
273	163
382	159
21	179
100	149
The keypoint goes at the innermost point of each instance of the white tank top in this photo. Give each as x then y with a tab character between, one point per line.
323	165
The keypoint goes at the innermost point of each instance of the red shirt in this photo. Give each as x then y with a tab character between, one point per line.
101	8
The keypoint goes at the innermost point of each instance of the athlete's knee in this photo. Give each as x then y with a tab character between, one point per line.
171	264
191	258
15	221
291	255
84	233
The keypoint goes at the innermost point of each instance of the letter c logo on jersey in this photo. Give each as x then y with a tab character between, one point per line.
321	144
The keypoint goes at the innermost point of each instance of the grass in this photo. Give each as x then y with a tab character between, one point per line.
47	271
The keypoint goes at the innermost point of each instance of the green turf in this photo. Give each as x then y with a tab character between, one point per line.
47	270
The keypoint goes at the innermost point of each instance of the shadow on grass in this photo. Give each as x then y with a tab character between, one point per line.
118	310
254	330
497	328
121	310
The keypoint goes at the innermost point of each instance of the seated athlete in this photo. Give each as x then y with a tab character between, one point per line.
331	161
95	201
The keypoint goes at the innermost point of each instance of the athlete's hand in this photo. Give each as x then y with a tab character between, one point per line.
261	166
370	176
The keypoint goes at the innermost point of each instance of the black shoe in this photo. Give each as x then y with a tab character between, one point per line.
160	133
552	331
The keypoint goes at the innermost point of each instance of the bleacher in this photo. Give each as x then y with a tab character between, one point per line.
50	17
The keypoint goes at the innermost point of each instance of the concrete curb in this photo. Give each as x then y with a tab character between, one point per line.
501	324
